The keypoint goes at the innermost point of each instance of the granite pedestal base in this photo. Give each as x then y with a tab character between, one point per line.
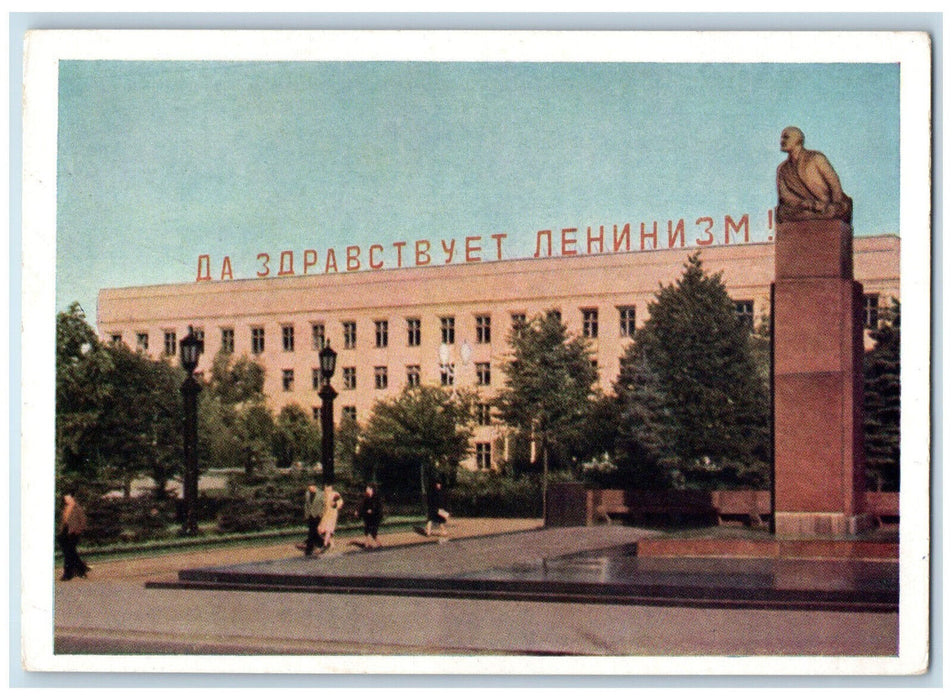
819	466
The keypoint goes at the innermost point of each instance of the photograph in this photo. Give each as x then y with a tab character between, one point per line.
463	352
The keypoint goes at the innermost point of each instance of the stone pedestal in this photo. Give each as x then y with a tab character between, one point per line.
819	466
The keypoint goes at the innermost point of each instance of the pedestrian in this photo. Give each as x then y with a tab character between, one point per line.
72	525
313	509
436	509
332	505
371	510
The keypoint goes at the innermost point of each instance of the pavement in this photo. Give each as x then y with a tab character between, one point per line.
145	606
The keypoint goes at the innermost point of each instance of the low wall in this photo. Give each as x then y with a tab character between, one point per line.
749	506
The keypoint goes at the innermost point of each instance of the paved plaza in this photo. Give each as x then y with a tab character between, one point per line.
284	603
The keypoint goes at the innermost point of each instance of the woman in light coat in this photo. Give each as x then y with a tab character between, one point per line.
332	505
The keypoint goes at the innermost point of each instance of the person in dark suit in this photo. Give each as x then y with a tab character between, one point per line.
72	525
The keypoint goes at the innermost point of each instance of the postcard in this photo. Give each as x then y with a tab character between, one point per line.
461	352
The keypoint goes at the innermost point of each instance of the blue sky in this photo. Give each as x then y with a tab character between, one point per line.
161	162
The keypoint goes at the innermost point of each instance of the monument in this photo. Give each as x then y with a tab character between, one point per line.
819	466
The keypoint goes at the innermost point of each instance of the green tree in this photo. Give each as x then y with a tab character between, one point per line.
700	405
411	438
236	426
643	427
297	438
882	403
117	412
550	390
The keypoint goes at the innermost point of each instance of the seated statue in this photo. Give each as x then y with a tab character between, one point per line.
807	186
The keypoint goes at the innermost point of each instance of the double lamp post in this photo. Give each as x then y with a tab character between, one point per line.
191	347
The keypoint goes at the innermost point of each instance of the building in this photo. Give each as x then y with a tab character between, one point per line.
443	325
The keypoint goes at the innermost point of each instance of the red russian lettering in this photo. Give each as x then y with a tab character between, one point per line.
199	277
472	251
708	230
653	235
498	237
625	236
310	259
264	264
373	265
353	258
422	249
568	244
548	238
675	232
729	224
600	238
399	246
226	268
289	270
331	264
449	251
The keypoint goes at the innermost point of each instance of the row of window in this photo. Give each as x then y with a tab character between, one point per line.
483	413
590	320
381	376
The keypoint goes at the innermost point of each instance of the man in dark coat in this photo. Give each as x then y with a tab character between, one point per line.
436	509
72	525
371	510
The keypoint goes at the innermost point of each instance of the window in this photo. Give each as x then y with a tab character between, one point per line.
448	329
142	341
744	310
518	321
170	343
446	374
590	323
315	413
200	336
287	379
626	321
350	334
380	377
228	340
484	455
316	378
554	313
483	329
413	332
381	333
317	336
350	377
287	338
483	414
117	338
349	412
871	311
413	375
257	340
482	373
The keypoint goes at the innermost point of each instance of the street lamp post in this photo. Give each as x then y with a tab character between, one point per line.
191	347
328	359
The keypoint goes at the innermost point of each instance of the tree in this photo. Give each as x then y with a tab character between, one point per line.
117	411
696	401
413	437
237	426
882	403
550	388
297	438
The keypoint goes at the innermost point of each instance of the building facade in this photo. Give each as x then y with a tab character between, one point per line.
445	325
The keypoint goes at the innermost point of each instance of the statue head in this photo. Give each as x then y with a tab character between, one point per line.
790	138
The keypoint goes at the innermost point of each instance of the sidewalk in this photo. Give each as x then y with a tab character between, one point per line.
166	566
